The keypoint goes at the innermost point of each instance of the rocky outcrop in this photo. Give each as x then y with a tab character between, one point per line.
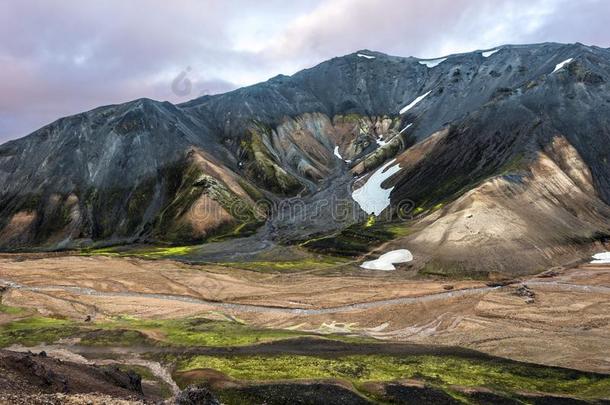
194	395
27	375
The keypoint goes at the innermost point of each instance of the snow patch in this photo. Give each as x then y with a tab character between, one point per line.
433	62
601	258
371	197
405	128
337	154
380	141
386	261
361	55
487	54
562	64
413	103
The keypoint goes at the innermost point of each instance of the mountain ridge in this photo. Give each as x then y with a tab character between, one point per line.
74	181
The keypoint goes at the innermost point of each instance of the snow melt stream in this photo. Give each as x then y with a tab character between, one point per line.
386	261
371	197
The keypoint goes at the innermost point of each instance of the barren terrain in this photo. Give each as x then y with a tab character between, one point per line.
561	318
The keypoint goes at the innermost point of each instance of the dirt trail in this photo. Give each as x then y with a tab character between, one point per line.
252	307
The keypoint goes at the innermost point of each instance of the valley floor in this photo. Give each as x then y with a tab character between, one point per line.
177	321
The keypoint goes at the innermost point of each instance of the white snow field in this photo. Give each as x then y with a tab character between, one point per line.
562	64
413	103
487	54
433	62
361	55
601	258
386	261
371	197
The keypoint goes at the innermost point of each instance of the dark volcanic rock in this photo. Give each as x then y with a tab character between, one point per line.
411	394
25	374
193	395
300	393
129	380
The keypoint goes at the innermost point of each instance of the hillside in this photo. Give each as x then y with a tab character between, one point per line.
502	154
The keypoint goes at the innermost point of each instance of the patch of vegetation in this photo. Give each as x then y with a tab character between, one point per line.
453	270
445	371
188	332
181	192
317	263
145	252
35	330
261	166
6	309
357	239
128	331
115	337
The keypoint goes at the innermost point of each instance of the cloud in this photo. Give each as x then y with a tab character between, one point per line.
60	58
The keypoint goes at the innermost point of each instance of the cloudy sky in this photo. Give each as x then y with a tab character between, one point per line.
65	56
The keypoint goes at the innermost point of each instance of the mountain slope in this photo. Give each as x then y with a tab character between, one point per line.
529	122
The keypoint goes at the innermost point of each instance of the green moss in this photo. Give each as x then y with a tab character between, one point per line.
370	221
181	192
443	371
5	309
194	332
515	164
357	239
114	337
129	331
453	271
320	262
262	168
146	252
35	330
438	207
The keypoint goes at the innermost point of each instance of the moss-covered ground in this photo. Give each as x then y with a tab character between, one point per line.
129	331
145	252
320	262
443	371
357	239
35	330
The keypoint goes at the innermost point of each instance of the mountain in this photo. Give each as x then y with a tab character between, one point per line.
503	155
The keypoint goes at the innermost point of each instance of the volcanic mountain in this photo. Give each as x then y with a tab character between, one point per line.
500	158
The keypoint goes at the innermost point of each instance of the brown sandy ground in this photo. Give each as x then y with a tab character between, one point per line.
562	319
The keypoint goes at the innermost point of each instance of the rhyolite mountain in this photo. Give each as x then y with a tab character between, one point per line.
503	153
